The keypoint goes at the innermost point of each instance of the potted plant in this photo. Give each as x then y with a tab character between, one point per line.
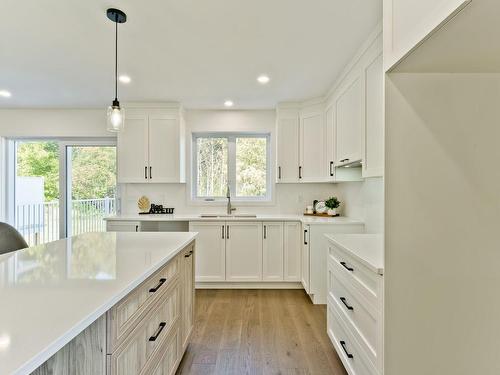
332	204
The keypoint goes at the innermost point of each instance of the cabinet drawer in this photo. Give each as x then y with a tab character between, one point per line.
352	356
125	315
168	356
133	354
367	281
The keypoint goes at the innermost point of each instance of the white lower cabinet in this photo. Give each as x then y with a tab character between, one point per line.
272	251
292	247
244	251
305	259
355	313
211	250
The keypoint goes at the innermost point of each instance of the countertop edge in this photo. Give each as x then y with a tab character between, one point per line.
377	270
58	344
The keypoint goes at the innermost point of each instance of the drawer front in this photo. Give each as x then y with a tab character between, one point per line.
363	278
355	362
168	356
132	356
364	320
124	316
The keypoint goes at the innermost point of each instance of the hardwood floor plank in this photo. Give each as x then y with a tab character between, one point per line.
261	332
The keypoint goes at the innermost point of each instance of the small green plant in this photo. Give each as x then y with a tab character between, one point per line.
332	203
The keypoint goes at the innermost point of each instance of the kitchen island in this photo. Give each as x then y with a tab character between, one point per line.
97	303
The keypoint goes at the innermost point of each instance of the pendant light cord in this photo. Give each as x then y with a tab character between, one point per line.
116	57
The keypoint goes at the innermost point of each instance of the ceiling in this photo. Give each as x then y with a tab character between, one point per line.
467	43
198	52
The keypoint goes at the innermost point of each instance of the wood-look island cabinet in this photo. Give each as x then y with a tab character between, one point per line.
146	332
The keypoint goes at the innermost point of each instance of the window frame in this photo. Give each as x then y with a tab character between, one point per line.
231	173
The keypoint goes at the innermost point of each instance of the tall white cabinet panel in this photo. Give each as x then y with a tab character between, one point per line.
210	250
373	165
292	250
132	146
408	22
305	259
287	147
164	144
272	251
312	148
243	251
330	142
350	118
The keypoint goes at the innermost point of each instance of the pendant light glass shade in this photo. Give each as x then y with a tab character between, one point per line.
115	119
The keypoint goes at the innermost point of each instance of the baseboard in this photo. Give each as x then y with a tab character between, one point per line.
249	285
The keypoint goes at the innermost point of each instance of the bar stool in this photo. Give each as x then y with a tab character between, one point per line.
10	239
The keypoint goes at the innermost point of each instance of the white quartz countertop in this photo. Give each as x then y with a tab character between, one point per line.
52	292
366	248
269	217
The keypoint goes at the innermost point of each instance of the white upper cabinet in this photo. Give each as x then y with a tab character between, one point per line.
408	22
152	146
132	149
287	145
312	147
349	109
373	165
330	142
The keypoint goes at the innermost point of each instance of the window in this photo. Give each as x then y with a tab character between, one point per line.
240	161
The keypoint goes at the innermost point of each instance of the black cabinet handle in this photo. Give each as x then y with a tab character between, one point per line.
146	173
343	160
188	255
223	231
150	173
300	172
158	286
279	173
349	355
227	232
331	168
345	303
265	231
137	228
305	234
347	267
158	331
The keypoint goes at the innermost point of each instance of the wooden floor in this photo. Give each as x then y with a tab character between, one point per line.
259	332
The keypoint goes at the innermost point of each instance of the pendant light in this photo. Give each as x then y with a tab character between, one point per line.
116	115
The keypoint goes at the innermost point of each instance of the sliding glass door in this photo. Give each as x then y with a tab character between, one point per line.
60	188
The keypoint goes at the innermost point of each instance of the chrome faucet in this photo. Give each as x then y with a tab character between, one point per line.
230	209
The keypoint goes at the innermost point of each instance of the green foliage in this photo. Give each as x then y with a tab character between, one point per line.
40	159
93	169
251	167
332	203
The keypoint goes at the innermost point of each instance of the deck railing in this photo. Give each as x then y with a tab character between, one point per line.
39	223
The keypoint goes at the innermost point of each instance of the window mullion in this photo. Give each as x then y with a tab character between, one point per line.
231	154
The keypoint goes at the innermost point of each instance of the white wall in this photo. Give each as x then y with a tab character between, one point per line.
442	270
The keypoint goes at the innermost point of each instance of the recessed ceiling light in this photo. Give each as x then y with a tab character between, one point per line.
124	79
263	79
228	103
5	94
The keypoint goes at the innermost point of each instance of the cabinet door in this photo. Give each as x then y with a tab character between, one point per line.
132	150
305	258
312	148
164	153
272	251
187	316
330	142
350	115
210	251
244	251
373	159
288	150
292	251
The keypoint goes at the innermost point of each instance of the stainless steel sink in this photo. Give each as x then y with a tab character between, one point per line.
206	216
